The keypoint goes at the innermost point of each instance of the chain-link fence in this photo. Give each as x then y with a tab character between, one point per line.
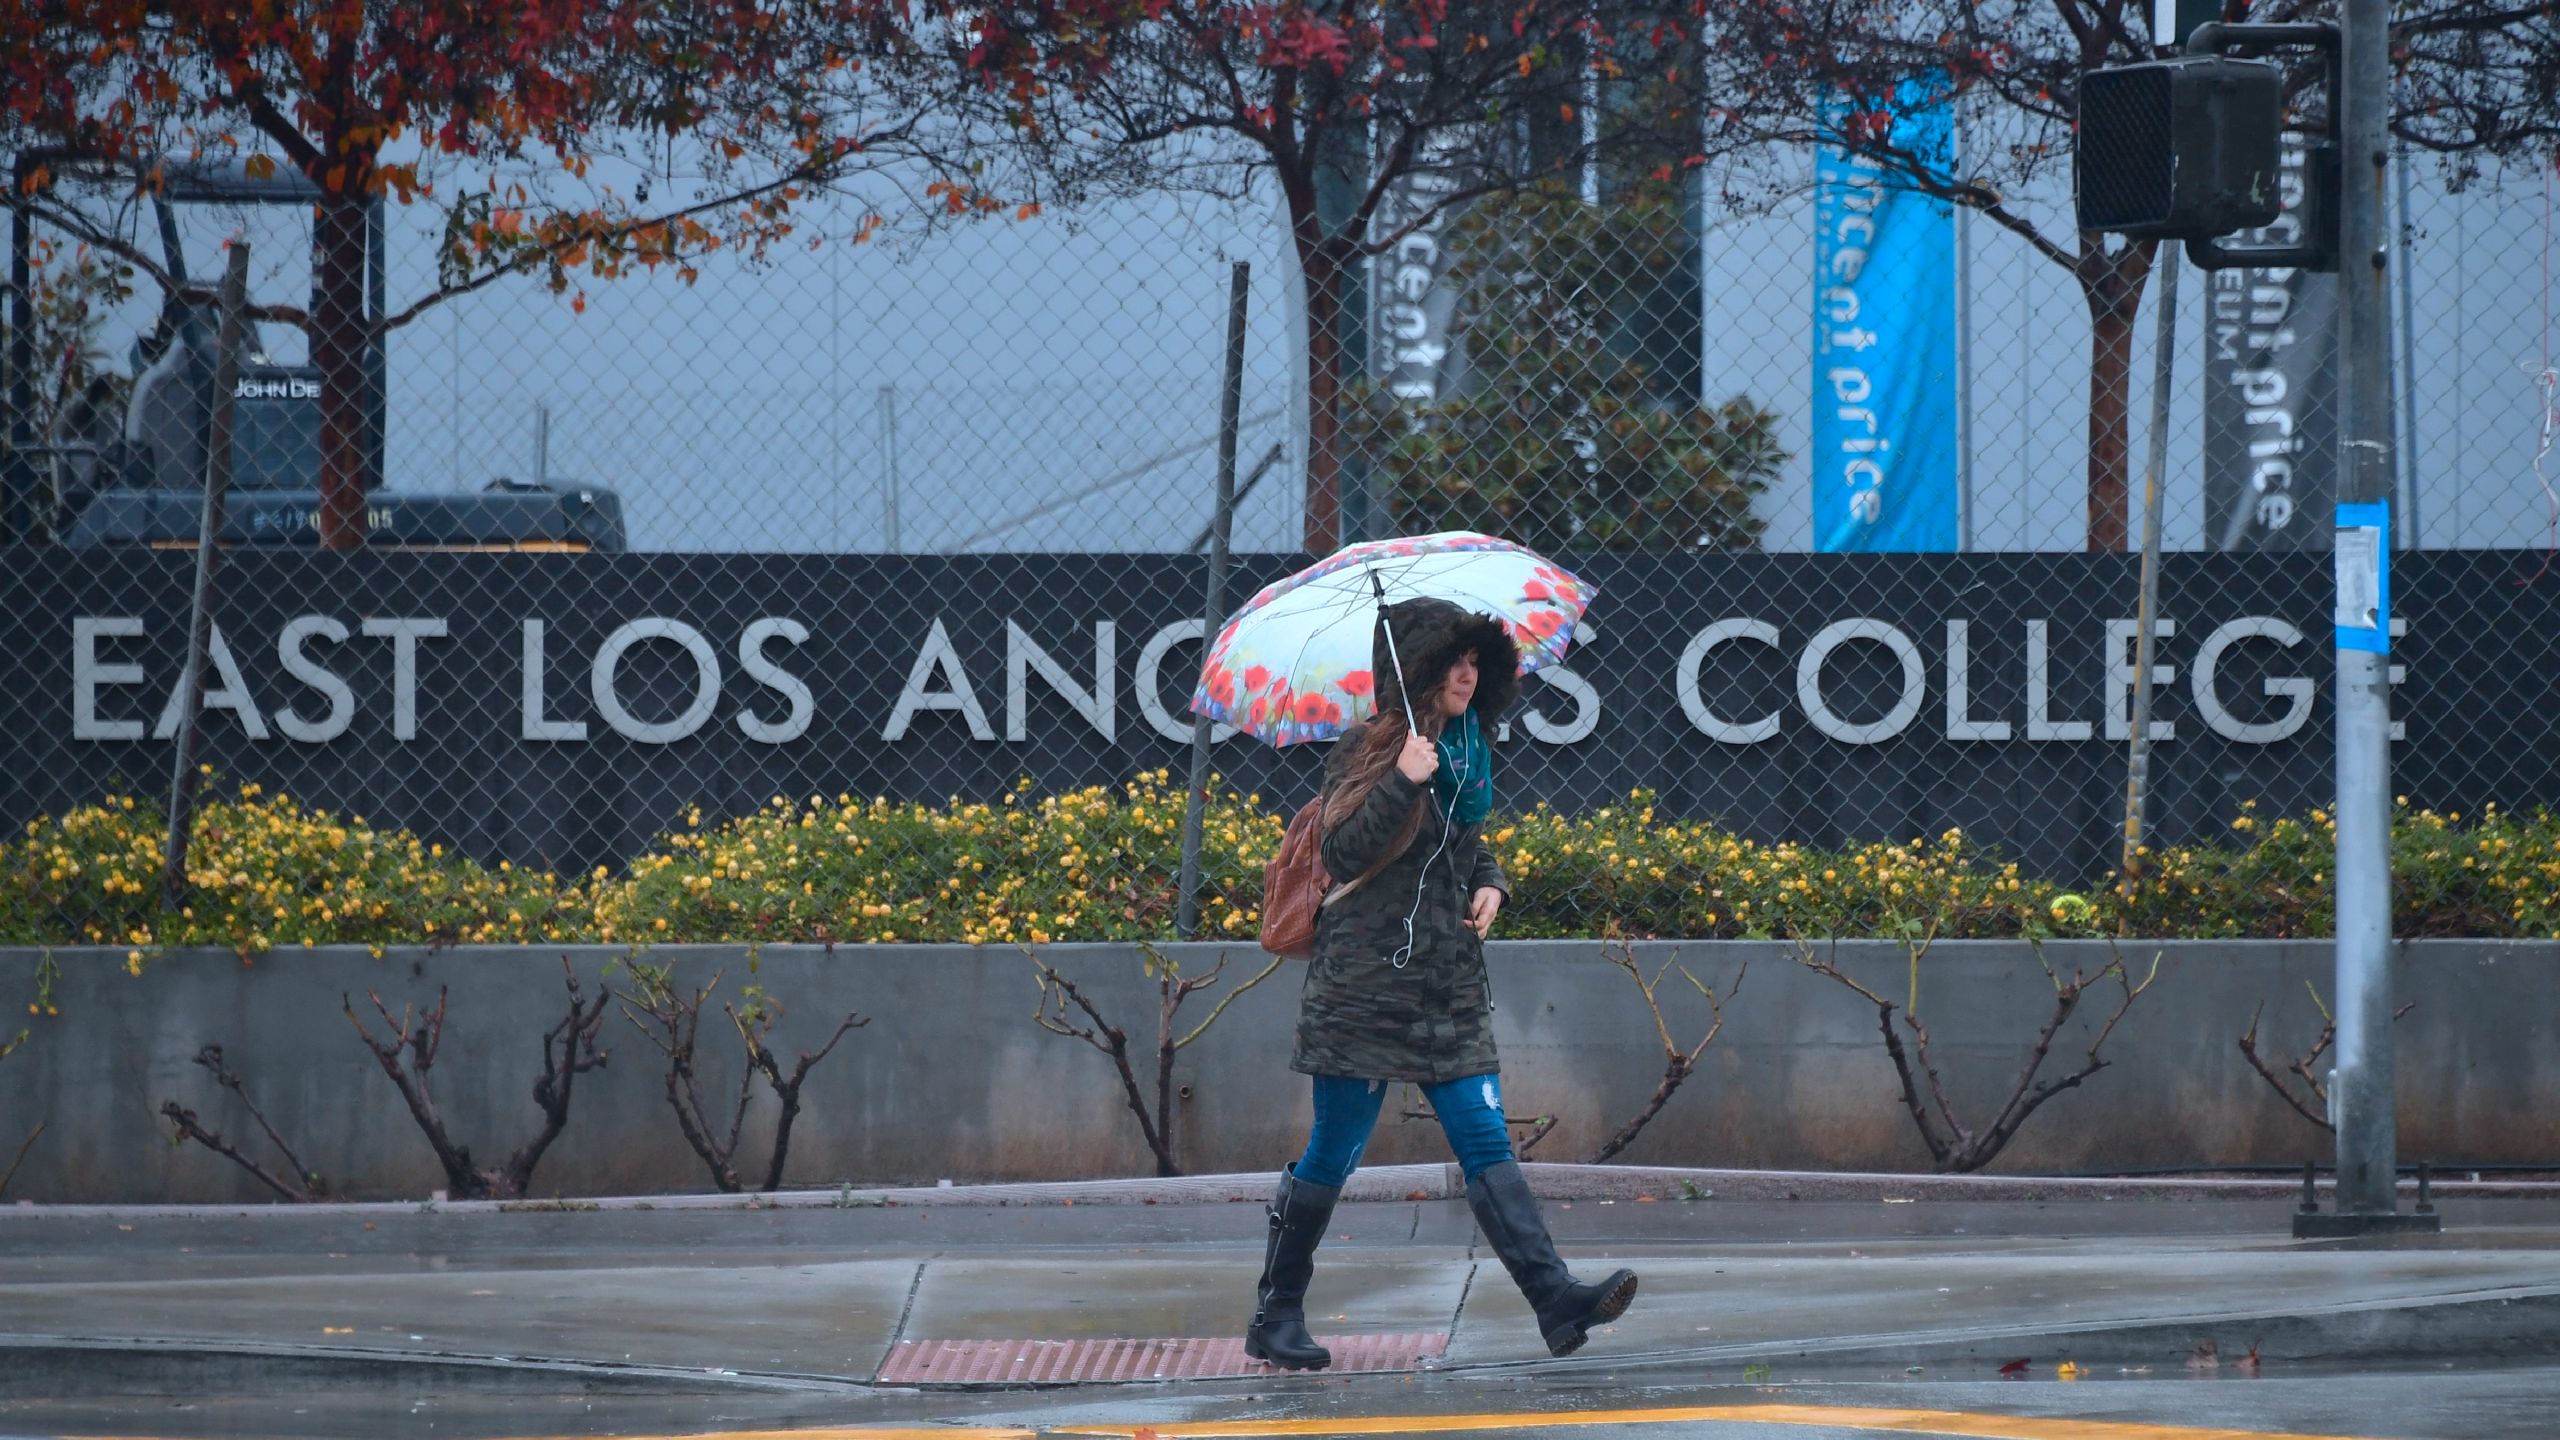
855	591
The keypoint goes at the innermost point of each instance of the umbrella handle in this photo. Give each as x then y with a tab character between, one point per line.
1393	658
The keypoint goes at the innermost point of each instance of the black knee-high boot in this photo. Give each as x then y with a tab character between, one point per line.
1567	1308
1299	1213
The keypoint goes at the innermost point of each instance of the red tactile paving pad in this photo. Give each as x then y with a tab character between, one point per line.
1069	1362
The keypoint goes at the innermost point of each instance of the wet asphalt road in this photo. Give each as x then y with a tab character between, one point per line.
2519	1403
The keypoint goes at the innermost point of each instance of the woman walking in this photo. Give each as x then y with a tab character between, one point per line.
1396	989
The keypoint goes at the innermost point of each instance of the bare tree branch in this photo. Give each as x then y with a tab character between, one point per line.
574	1040
1173	989
21	1157
305	1183
2305	1065
1677	1064
1953	1146
787	1091
1229	999
2029	1094
568	1051
411	1079
679	1020
189	1129
673	1025
1056	991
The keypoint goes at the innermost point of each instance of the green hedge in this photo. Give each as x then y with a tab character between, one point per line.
1099	864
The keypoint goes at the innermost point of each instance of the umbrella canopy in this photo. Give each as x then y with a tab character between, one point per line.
1294	663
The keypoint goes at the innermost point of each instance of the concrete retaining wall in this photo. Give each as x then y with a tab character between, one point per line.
952	1079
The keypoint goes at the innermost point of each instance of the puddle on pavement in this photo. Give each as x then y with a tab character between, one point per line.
2048	1368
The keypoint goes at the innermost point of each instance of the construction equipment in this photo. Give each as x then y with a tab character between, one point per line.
102	478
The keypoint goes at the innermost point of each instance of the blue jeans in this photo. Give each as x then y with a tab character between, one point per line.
1470	1112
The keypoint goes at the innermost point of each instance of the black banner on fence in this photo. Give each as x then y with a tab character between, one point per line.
564	710
2271	390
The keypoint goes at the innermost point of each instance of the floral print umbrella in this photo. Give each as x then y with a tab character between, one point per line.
1293	665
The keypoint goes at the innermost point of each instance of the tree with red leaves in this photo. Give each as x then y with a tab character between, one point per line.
495	113
2475	79
1433	102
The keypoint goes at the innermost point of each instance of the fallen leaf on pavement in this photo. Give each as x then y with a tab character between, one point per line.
2068	1371
1416	1195
2015	1369
2247	1364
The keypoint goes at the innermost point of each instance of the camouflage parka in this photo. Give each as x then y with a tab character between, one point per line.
1429	1019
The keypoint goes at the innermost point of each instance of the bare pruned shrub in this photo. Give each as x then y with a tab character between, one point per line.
407	1054
1155	1117
298	1183
1677	1064
1953	1145
672	1021
2305	1066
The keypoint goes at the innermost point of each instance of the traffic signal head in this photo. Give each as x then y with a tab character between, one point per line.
2179	149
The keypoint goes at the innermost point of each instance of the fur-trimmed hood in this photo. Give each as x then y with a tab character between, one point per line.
1430	636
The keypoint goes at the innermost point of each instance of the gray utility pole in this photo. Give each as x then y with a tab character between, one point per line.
1222	521
2146	624
232	299
2362	1086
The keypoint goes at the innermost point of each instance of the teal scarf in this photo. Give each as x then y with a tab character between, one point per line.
1464	782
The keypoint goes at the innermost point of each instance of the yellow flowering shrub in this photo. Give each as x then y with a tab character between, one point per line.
1647	875
261	872
1101	863
2497	874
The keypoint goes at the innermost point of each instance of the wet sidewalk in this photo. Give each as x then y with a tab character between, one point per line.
848	1296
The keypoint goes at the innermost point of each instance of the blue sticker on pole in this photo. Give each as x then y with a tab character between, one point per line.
2363	554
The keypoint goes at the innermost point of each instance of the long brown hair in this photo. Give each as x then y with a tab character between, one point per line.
1381	741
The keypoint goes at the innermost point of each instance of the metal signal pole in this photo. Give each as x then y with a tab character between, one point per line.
2362	1086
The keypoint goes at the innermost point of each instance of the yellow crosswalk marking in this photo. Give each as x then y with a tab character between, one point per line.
1948	1424
832	1432
1963	1424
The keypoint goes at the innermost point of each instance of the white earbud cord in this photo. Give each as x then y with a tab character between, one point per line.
1448	823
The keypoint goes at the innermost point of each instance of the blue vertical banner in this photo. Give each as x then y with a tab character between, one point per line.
1885	432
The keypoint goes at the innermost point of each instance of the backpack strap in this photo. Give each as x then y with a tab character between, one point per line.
1345	888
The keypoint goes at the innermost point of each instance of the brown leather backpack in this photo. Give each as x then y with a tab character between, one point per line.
1294	885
